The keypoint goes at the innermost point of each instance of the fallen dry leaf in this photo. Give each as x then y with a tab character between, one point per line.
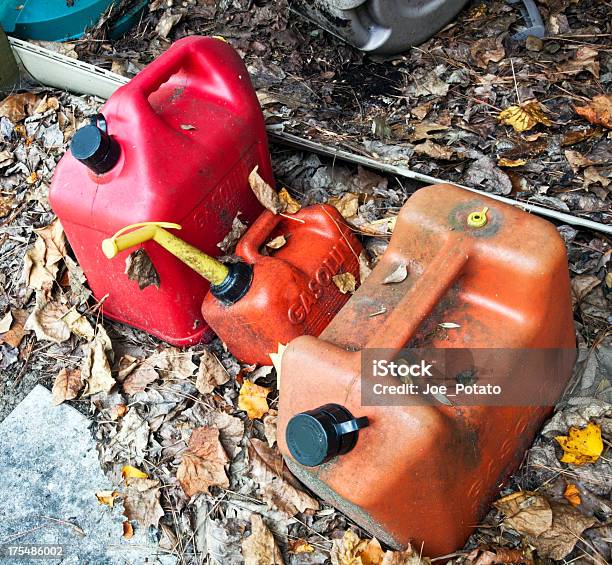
279	488
582	285
233	236
567	527
46	320
16	107
345	282
269	422
173	363
107	497
495	556
79	325
426	130
128	530
203	463
434	150
6	205
95	367
67	386
503	162
166	23
526	512
598	111
266	195
130	472
347	204
277	242
299	546
253	399
487	50
260	547
141	502
14	335
581	446
407	557
140	268
5	322
577	160
210	374
592	176
398	275
525	116
585	59
572	495
365	270
276	358
290	204
138	379
40	263
47	103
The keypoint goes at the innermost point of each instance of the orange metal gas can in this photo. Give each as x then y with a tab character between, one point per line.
480	275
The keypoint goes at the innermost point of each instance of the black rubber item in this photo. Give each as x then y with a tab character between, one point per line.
94	147
235	285
318	435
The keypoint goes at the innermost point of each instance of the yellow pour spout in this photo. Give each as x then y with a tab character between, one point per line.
212	270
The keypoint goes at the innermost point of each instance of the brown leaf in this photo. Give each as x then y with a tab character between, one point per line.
14	335
211	373
231	239
407	557
139	378
79	325
299	546
584	60
572	495
598	111
6	205
141	502
67	385
128	530
47	320
140	268
582	285
489	49
203	463
364	266
173	363
266	195
526	512
592	176
95	367
494	556
433	150
16	107
559	540
278	486
347	204
260	547
269	422
426	130
231	430
577	160
40	263
345	282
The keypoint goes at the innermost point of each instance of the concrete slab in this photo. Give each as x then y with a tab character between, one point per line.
49	473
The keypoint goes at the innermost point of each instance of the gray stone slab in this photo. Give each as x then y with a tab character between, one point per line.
49	473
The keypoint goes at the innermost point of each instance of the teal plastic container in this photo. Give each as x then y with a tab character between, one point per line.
60	20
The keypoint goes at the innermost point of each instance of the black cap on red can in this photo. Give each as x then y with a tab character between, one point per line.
94	147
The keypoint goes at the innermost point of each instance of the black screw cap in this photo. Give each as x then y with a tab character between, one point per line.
318	435
235	285
94	147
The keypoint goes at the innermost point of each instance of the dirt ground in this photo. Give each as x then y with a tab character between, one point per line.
434	109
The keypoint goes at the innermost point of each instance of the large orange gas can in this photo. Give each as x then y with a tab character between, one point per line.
271	295
178	141
482	280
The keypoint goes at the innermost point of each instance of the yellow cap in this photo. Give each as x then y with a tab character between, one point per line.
478	219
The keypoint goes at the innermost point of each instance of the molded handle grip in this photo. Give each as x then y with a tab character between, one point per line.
248	247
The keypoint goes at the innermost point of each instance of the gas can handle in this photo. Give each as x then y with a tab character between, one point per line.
422	297
248	247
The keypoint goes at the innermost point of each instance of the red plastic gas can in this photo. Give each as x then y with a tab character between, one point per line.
178	141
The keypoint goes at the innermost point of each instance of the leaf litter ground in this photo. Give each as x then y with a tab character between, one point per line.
436	109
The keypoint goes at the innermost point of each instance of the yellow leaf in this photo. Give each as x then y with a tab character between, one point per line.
525	116
503	162
572	495
252	399
291	204
299	546
129	472
107	497
581	445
